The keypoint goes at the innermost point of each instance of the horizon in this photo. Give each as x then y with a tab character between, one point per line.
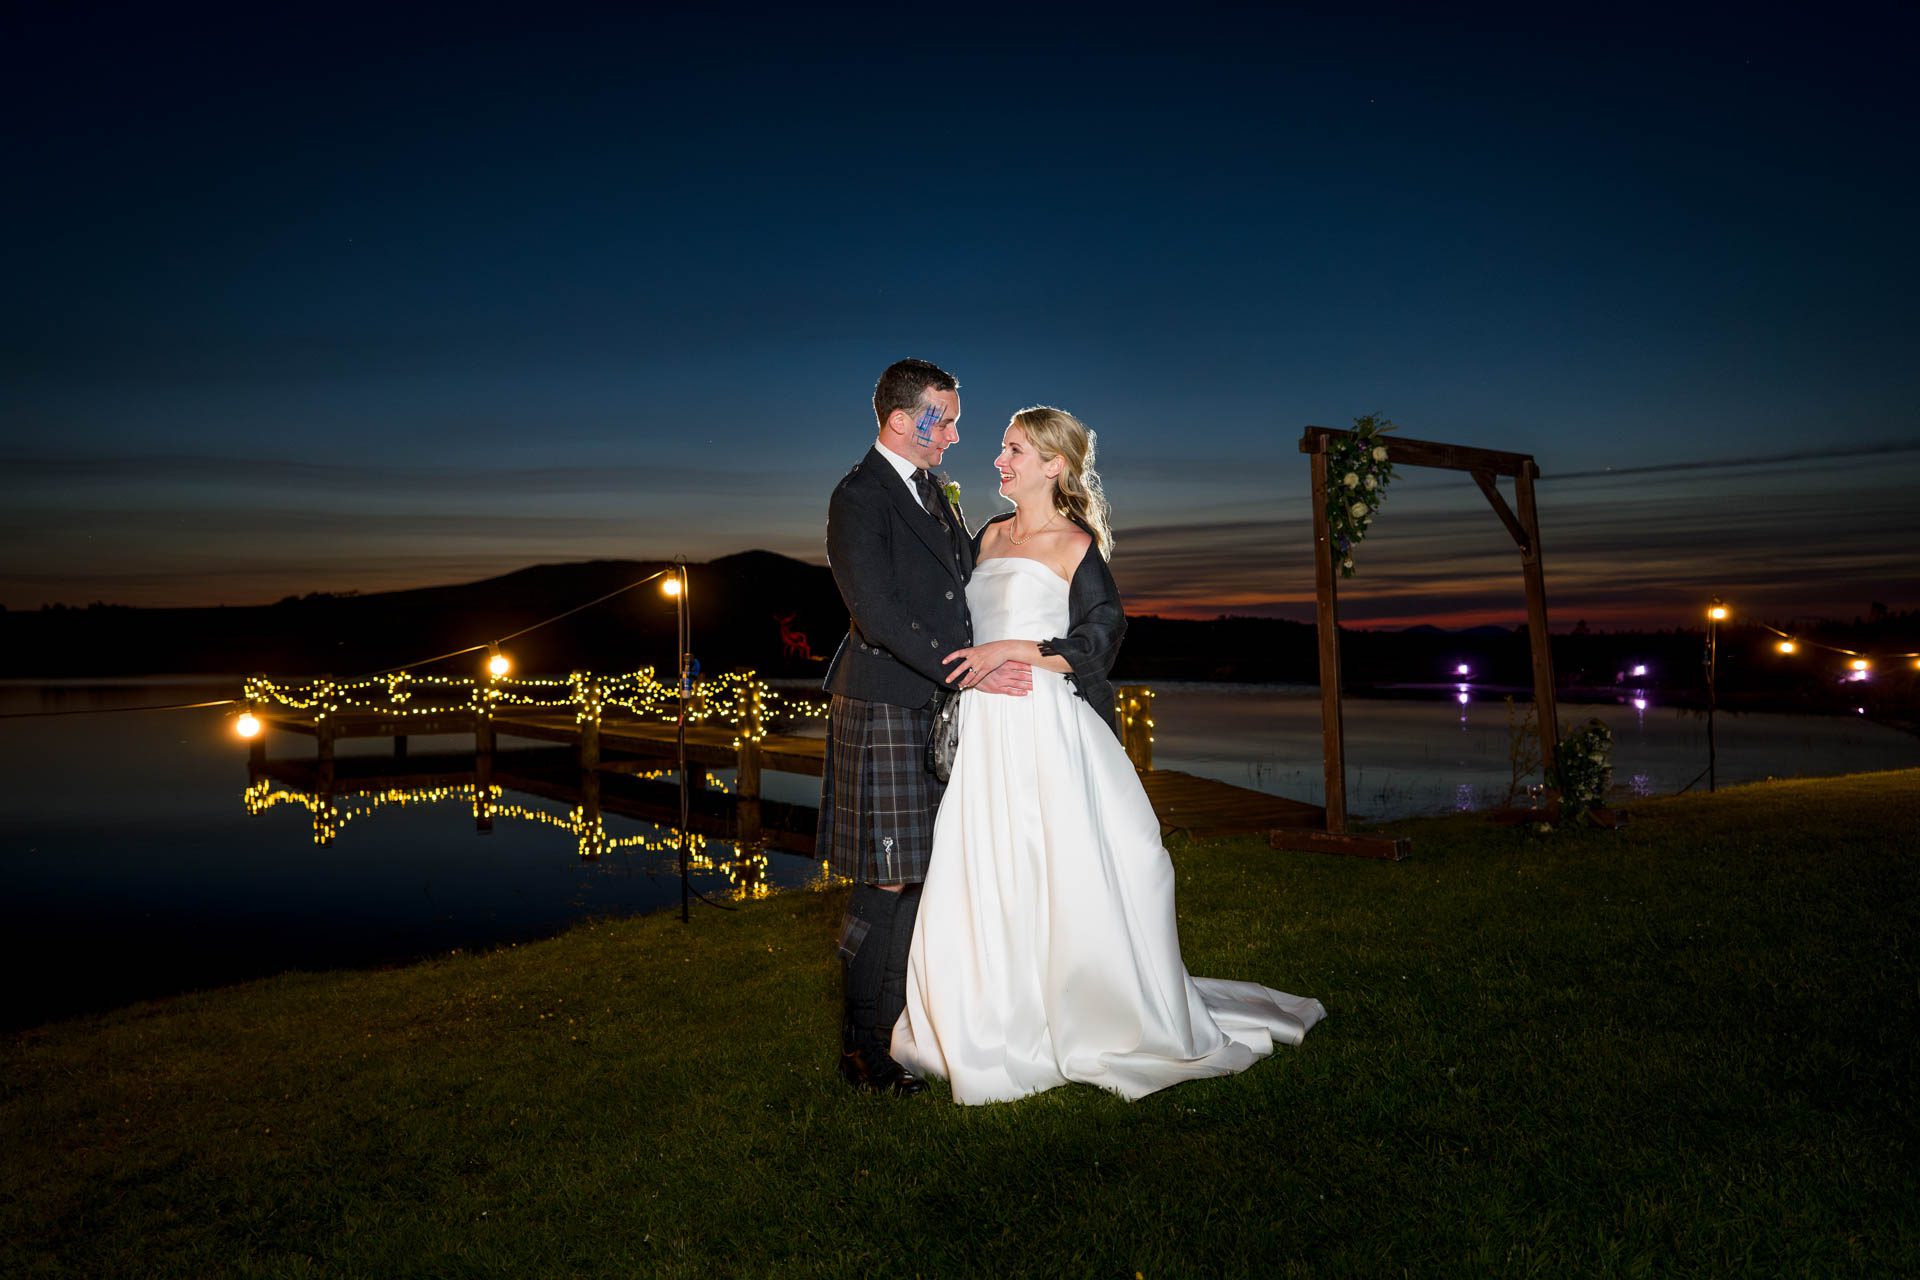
325	304
1556	626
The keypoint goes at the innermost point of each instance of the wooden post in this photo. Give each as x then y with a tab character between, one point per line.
1133	708
1545	708
482	762
589	750
746	778
1326	616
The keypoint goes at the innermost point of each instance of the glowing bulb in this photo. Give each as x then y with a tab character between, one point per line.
498	665
671	587
1860	664
1463	670
1718	613
1787	646
247	726
1640	670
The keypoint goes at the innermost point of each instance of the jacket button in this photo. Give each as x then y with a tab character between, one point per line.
914	625
934	643
949	595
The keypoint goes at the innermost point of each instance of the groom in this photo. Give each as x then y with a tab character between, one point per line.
901	556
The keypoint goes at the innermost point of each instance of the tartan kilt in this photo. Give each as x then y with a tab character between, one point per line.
877	799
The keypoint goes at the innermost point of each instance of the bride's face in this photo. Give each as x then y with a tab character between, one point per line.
1023	473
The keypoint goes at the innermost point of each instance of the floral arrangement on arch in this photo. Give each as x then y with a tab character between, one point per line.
1583	770
1358	473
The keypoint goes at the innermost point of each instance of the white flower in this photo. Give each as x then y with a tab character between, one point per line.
1358	510
1347	563
1370	482
1349	479
1379	453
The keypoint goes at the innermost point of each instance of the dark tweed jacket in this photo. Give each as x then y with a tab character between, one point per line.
904	584
1096	624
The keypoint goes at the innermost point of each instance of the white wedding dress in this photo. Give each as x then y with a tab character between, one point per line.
1046	949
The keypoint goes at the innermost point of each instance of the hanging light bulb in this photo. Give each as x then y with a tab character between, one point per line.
670	586
1718	613
1787	646
498	664
248	725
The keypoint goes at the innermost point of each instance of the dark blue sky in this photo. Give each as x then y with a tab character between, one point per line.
335	302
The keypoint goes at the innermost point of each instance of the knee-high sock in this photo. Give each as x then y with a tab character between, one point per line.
893	983
866	937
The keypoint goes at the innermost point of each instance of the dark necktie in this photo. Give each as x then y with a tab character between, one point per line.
936	504
929	494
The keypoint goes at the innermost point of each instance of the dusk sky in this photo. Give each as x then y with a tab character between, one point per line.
325	302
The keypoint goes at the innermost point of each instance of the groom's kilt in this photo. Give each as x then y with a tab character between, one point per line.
877	799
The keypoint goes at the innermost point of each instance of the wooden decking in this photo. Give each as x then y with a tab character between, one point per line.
1208	807
600	767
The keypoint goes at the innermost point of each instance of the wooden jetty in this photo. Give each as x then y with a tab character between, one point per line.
595	764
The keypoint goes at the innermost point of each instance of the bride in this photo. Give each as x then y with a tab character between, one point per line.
1046	948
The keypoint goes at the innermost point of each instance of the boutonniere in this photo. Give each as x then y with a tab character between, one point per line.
952	489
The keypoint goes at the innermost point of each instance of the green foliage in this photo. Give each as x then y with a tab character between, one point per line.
1685	1048
1358	472
1523	748
1583	770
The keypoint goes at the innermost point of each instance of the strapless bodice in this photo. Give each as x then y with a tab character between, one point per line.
1012	598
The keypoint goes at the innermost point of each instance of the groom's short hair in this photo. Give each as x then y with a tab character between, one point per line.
904	382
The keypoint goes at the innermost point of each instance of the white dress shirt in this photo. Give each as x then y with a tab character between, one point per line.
906	470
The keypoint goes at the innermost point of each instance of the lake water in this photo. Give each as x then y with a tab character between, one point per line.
132	863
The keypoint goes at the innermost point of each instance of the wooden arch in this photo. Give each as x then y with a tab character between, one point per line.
1486	466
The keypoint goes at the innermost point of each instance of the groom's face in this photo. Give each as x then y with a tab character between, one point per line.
931	429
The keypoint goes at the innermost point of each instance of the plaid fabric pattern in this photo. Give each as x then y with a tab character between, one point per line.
877	799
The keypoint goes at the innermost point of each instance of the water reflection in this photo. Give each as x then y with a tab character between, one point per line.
744	870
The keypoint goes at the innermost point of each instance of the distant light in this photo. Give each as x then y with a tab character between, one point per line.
1463	698
1640	670
671	587
1463	688
1787	646
1859	711
247	726
1861	664
498	665
1718	613
1639	704
1463	670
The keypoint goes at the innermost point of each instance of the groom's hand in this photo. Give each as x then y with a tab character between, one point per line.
1015	679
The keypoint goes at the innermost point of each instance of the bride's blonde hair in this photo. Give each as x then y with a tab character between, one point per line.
1055	433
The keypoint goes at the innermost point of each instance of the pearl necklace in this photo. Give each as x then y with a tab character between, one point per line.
1021	542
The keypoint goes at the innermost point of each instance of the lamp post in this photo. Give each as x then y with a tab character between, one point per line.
1716	614
676	586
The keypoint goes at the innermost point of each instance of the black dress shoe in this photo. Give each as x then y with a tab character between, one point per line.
886	1077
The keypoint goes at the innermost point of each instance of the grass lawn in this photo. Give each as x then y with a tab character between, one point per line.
1684	1048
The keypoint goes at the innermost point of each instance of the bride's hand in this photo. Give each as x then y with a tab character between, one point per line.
979	661
1013	678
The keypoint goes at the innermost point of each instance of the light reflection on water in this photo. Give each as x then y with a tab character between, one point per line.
136	850
1406	758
